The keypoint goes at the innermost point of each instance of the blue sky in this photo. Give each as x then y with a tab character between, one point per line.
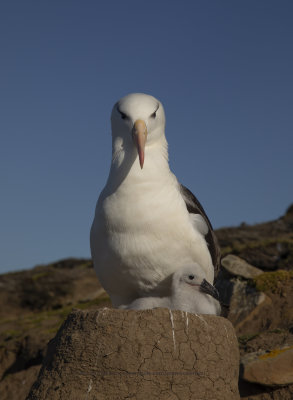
222	69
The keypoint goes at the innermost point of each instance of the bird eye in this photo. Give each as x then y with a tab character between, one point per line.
191	277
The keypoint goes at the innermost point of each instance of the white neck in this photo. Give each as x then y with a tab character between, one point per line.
125	164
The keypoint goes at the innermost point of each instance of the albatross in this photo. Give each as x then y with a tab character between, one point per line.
190	292
146	225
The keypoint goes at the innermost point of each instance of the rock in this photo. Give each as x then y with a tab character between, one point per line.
276	338
248	308
274	368
17	385
128	354
225	288
236	266
267	246
253	391
228	280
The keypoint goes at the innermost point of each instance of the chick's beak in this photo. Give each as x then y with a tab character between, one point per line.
206	287
139	135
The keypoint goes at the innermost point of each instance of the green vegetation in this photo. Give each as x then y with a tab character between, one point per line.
61	313
246	338
11	333
237	247
272	281
94	302
47	322
277	330
39	275
53	330
88	264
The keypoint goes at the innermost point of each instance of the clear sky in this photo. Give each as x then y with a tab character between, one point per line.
222	69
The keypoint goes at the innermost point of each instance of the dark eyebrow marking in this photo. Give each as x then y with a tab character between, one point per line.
123	115
118	109
153	115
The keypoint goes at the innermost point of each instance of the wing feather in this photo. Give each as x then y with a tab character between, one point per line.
194	207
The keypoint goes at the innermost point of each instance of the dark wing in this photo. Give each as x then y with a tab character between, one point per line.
194	207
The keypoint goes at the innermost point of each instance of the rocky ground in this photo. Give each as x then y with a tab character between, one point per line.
255	286
112	354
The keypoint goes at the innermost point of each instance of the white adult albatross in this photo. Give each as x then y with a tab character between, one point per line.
146	224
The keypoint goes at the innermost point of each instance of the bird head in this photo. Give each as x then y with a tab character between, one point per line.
192	276
138	120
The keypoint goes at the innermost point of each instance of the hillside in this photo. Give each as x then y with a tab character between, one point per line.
34	303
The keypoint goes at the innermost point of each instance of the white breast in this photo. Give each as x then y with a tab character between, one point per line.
141	234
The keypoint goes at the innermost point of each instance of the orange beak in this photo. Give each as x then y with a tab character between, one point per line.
139	135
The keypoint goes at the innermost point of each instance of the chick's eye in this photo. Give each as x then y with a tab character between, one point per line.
153	115
191	277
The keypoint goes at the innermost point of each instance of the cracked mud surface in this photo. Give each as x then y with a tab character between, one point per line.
117	354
